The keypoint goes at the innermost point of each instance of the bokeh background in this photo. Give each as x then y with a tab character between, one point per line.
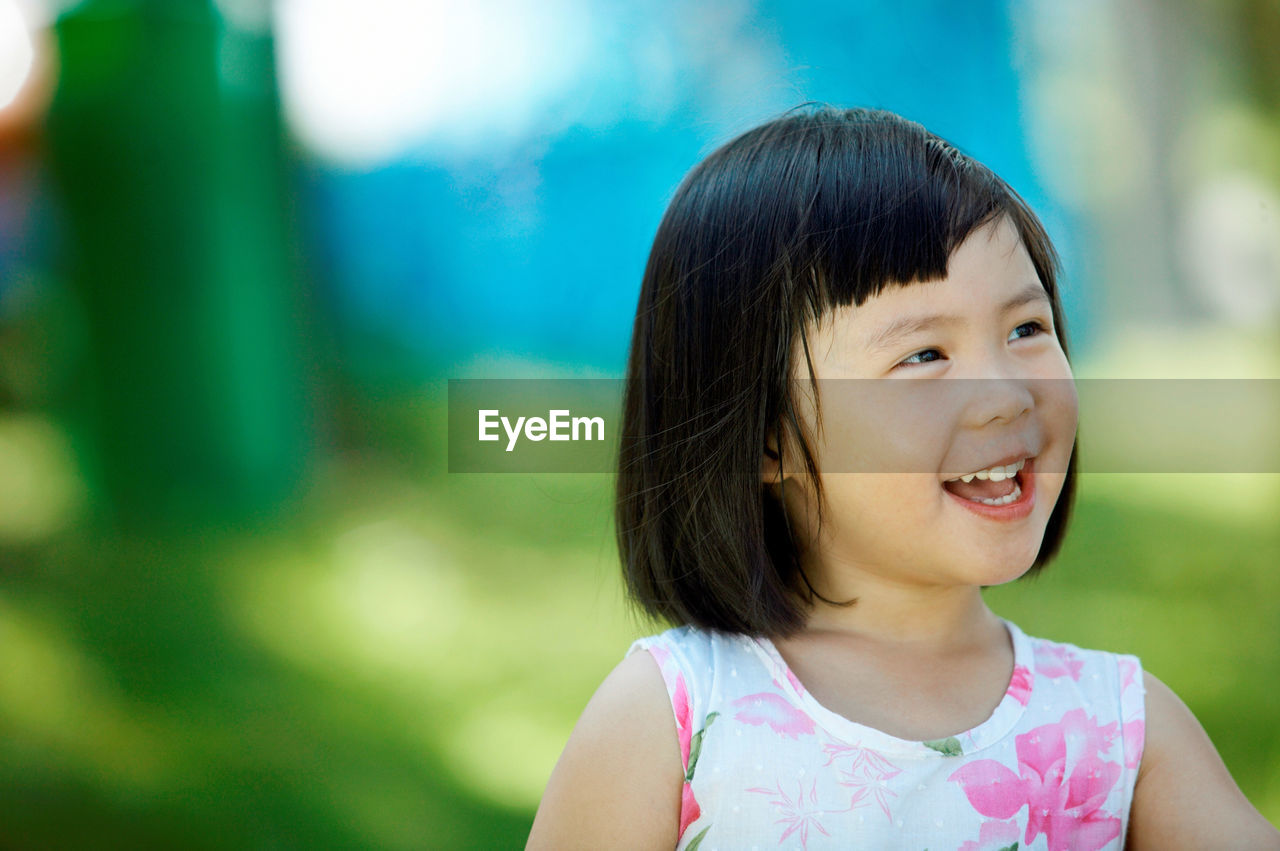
244	246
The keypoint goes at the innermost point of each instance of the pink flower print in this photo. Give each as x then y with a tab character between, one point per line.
689	809
798	815
660	655
836	749
1056	660
1063	781
993	836
869	773
1134	730
1082	737
679	699
1020	684
680	703
1128	670
774	710
1134	733
690	748
992	789
795	683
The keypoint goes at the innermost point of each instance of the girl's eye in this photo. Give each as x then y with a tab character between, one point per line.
912	358
1033	328
1036	326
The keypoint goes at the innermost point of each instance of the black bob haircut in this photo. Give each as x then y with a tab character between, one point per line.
817	209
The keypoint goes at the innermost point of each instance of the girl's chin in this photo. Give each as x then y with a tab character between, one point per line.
1004	576
992	566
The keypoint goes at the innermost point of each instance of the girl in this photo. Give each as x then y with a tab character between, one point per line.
834	675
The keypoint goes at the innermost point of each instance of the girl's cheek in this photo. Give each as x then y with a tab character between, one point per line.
1061	417
1072	404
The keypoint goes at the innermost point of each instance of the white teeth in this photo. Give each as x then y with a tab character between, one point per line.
995	474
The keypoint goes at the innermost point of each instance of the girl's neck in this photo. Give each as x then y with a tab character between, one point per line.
891	613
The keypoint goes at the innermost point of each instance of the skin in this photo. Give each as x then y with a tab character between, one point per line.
912	550
618	782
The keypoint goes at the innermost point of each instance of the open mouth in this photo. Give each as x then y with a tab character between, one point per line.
995	486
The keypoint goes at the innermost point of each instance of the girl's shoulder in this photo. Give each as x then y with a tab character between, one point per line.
1072	687
1062	662
690	645
620	766
693	659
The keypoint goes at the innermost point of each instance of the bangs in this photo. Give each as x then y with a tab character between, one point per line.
870	200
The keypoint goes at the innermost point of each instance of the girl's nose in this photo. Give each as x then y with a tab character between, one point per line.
997	399
999	389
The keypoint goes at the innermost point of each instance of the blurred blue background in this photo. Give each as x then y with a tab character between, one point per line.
525	206
243	246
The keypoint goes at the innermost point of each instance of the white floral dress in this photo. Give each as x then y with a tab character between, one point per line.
767	766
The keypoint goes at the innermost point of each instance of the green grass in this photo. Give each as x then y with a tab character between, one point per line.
398	663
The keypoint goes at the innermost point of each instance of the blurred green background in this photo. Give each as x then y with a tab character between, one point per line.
243	247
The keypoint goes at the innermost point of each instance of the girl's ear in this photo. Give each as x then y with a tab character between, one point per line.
770	466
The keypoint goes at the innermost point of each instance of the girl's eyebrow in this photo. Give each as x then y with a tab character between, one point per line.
906	325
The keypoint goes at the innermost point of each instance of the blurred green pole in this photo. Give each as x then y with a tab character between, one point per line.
165	140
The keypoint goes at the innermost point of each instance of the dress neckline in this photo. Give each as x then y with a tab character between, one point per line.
1001	722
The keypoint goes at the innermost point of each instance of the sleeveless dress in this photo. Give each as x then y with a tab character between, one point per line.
767	766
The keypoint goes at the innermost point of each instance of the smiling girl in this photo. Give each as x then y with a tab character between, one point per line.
849	407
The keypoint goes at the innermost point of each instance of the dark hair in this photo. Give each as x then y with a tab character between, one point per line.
816	209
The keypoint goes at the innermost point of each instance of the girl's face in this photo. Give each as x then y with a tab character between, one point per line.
988	322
